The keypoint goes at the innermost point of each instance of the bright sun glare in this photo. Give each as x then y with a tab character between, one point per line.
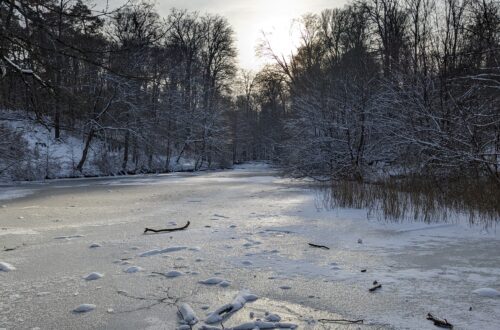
251	18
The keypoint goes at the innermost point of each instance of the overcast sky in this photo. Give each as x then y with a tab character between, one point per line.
250	17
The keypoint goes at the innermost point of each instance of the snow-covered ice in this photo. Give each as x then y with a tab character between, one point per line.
269	222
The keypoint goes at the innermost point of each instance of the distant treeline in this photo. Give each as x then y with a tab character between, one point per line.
377	88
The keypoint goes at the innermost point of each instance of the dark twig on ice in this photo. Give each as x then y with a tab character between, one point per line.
319	246
376	287
340	321
439	323
146	230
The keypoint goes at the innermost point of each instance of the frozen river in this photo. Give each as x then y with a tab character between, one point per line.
249	228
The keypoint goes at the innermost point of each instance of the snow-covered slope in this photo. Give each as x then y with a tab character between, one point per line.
44	157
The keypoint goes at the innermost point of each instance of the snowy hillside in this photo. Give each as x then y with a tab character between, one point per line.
40	156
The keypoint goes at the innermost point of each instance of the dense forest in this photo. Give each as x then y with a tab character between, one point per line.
376	89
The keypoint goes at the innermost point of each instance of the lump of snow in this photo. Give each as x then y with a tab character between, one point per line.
161	251
174	273
6	267
133	269
69	237
224	284
188	315
84	308
238	302
264	325
487	292
273	318
94	245
213	281
93	276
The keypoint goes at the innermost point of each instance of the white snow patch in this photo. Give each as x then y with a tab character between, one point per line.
238	302
173	273
213	281
264	325
273	317
487	292
93	276
188	315
69	237
133	269
224	284
84	308
6	267
161	251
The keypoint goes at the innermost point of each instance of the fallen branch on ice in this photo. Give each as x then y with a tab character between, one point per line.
438	322
146	230
319	246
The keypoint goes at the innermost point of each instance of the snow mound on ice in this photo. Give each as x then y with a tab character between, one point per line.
133	269
487	292
161	251
213	281
93	276
188	315
6	267
84	308
174	273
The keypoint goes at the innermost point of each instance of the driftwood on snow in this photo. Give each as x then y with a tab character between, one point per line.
146	230
438	322
319	246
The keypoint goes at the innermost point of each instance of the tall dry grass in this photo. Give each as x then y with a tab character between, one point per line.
421	199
